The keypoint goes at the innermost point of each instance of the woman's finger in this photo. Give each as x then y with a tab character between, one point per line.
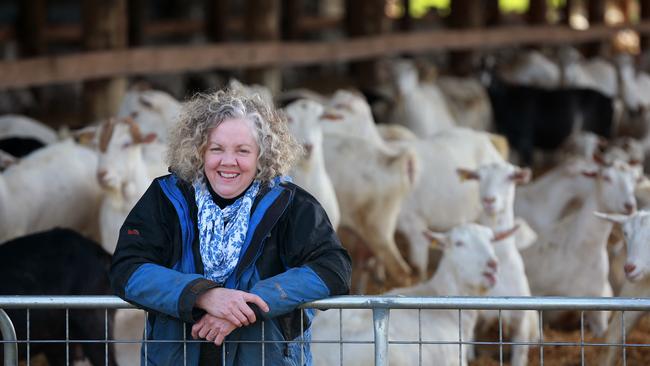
248	313
248	297
241	315
211	334
233	319
219	338
195	330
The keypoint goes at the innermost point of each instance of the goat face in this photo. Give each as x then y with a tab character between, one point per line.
636	230
617	183
469	249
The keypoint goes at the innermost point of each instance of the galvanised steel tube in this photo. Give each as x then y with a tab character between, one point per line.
63	302
381	306
369	302
9	334
380	318
490	303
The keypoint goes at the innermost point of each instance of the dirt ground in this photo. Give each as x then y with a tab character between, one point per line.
572	355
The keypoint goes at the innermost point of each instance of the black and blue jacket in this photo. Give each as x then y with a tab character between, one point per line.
291	256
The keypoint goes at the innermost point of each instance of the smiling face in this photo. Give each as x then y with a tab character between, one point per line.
231	157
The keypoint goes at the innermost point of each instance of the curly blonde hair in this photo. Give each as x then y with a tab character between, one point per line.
188	139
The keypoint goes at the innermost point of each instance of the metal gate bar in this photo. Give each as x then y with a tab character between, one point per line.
381	306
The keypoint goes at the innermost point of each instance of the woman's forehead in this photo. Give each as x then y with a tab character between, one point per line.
233	130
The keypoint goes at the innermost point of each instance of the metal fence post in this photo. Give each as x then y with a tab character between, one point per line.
9	334
380	317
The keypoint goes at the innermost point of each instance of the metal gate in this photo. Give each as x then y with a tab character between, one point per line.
380	306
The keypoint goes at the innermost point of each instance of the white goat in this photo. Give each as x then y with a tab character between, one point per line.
349	114
128	162
636	229
596	73
154	111
254	89
497	191
532	68
468	268
54	186
304	124
543	202
421	106
467	101
370	188
576	247
438	200
20	126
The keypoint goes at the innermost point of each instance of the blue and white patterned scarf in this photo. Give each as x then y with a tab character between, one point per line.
222	232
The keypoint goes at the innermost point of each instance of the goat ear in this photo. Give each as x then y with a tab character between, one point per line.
521	176
615	218
149	138
643	182
467	174
589	173
438	240
331	116
498	236
599	159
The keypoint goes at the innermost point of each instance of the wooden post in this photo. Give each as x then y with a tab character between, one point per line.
645	16
216	18
492	13
262	23
537	12
137	19
291	13
596	16
364	18
104	27
32	21
464	14
566	11
406	22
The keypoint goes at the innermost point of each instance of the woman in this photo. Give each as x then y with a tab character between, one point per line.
227	244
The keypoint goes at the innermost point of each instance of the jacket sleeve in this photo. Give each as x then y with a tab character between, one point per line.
141	271
318	266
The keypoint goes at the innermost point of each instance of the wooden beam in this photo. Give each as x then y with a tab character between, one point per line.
172	59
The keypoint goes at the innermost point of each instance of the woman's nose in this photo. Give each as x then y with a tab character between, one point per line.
228	158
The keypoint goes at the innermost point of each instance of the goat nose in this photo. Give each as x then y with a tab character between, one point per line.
489	199
492	264
630	207
629	268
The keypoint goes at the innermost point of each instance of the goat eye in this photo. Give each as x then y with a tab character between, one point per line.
459	243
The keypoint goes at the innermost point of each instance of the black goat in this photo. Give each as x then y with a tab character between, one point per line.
58	262
533	117
20	146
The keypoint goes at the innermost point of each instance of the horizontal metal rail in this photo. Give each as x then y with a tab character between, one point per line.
381	306
369	302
